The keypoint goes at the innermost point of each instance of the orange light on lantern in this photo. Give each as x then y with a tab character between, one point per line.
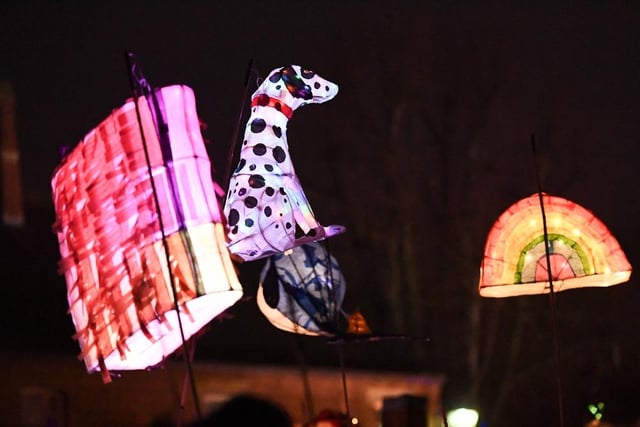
128	243
582	250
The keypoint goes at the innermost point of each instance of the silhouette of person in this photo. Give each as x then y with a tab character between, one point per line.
246	410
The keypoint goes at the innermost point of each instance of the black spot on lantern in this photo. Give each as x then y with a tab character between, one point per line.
258	125
251	202
277	131
269	191
256	181
267	211
259	149
268	168
248	222
234	217
307	74
279	154
241	164
242	191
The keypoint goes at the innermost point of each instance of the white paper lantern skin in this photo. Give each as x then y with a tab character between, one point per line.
266	208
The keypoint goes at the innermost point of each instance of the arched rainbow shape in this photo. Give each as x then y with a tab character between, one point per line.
583	252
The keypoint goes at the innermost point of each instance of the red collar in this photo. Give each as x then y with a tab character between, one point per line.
265	100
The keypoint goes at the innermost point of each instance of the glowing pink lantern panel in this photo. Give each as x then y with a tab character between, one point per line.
113	255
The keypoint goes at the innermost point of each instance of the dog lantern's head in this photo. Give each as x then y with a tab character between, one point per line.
297	86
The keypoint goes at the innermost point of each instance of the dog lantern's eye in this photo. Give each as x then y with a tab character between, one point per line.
307	74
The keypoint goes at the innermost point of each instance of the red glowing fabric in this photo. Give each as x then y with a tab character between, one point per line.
113	255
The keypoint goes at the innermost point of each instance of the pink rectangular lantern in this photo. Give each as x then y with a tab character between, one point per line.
128	242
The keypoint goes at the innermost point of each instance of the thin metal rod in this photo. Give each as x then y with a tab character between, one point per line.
236	131
443	413
334	293
187	381
552	298
308	397
301	353
298	339
136	94
344	380
338	331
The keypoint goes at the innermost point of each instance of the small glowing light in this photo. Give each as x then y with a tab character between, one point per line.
462	417
355	421
532	223
596	410
576	232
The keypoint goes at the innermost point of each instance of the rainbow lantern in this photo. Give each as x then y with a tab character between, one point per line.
582	250
131	246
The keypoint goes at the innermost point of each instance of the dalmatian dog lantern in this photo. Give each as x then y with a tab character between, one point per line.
266	209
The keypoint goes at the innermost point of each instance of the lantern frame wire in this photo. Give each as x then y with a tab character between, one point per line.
336	317
236	130
141	87
302	358
552	296
303	364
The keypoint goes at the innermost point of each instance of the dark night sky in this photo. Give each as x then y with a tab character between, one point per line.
569	74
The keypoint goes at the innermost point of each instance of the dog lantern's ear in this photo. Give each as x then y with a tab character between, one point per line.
272	85
297	87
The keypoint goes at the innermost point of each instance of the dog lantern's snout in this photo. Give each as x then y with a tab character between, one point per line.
324	92
297	86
